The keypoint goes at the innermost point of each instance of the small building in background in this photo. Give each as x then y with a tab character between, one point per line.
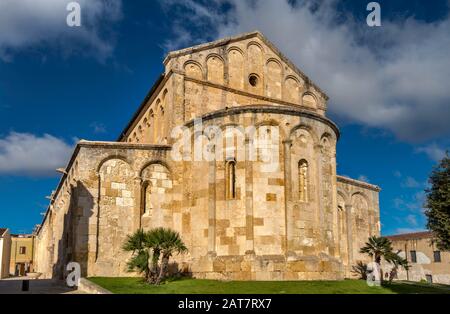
425	260
5	251
22	250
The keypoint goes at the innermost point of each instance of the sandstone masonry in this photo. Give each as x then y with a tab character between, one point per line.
299	221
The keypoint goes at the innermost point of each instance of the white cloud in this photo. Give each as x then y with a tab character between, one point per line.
408	230
363	178
413	203
398	203
410	182
28	24
394	77
26	154
411	220
434	151
98	127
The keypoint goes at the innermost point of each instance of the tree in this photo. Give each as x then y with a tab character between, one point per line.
151	252
138	244
378	248
168	242
438	204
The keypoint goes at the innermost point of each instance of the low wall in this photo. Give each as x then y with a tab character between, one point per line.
88	286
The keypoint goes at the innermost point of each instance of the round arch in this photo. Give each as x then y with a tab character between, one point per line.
153	162
112	157
307	128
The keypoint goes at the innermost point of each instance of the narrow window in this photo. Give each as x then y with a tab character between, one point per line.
413	257
303	180
22	250
145	198
437	256
231	179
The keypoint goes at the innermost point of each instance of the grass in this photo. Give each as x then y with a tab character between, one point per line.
195	286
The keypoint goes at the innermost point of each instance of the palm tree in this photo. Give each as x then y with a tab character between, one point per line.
168	242
137	243
149	248
377	248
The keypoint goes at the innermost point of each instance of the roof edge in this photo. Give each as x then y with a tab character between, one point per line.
411	235
136	114
363	184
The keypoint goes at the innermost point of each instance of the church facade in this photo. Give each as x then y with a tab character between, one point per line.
242	216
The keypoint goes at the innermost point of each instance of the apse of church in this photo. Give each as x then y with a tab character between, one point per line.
242	217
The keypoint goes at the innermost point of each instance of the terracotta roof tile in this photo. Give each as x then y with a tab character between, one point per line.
411	236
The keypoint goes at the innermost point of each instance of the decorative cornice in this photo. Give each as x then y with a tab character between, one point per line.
359	183
122	145
151	95
267	109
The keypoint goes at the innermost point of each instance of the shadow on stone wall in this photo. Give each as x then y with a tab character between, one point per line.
73	244
176	270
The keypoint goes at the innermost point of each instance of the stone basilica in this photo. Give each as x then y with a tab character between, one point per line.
297	221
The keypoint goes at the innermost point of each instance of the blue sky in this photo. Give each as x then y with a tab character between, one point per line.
388	86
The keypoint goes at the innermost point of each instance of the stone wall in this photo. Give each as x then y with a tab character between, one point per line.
240	217
266	231
228	73
426	267
358	217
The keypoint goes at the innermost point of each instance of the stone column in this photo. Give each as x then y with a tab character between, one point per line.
250	243
319	219
334	206
212	168
137	214
348	212
289	215
97	231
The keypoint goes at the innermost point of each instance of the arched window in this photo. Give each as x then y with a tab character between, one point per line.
146	205
341	221
303	173
231	179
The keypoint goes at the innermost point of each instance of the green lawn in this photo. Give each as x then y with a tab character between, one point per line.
194	286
